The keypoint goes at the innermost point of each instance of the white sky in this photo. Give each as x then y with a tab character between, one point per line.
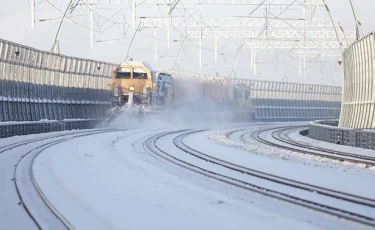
15	26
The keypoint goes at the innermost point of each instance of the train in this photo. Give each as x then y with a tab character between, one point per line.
137	85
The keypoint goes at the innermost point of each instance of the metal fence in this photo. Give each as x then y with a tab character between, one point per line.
25	128
359	81
327	130
37	85
280	101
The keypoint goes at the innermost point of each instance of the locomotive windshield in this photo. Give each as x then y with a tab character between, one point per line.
139	73
123	73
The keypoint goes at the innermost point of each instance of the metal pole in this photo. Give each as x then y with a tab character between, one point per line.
334	77
285	79
235	64
255	67
133	13
252	54
200	50
155	44
333	24
169	21
304	24
179	53
168	32
343	32
358	28
32	14
215	44
304	65
299	64
68	11
131	43
185	43
91	26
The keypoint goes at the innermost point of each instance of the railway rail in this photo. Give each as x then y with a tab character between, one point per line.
295	146
282	135
49	217
27	189
154	150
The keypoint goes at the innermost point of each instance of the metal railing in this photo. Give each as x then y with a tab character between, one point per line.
37	85
9	129
327	130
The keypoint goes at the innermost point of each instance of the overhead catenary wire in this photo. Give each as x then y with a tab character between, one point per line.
176	30
228	53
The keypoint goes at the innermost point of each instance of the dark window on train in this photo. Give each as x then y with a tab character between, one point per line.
139	75
125	75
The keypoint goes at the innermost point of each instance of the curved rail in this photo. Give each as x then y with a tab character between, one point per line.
152	148
278	136
179	143
20	178
326	153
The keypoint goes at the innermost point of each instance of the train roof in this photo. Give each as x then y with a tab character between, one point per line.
138	63
197	77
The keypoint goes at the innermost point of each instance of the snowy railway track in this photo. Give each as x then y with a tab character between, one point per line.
154	150
30	196
288	144
283	136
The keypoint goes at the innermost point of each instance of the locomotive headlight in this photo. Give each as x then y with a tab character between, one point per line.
131	88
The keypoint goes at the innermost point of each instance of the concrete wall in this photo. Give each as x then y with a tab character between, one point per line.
327	130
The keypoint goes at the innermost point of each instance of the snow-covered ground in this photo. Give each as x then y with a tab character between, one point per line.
106	185
315	170
12	213
220	136
166	146
109	181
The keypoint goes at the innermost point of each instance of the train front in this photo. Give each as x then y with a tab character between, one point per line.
132	85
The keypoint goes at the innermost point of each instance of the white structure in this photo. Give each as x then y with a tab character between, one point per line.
261	34
358	101
235	22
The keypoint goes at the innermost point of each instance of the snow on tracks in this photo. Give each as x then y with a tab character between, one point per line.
280	139
242	140
24	207
112	183
203	168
